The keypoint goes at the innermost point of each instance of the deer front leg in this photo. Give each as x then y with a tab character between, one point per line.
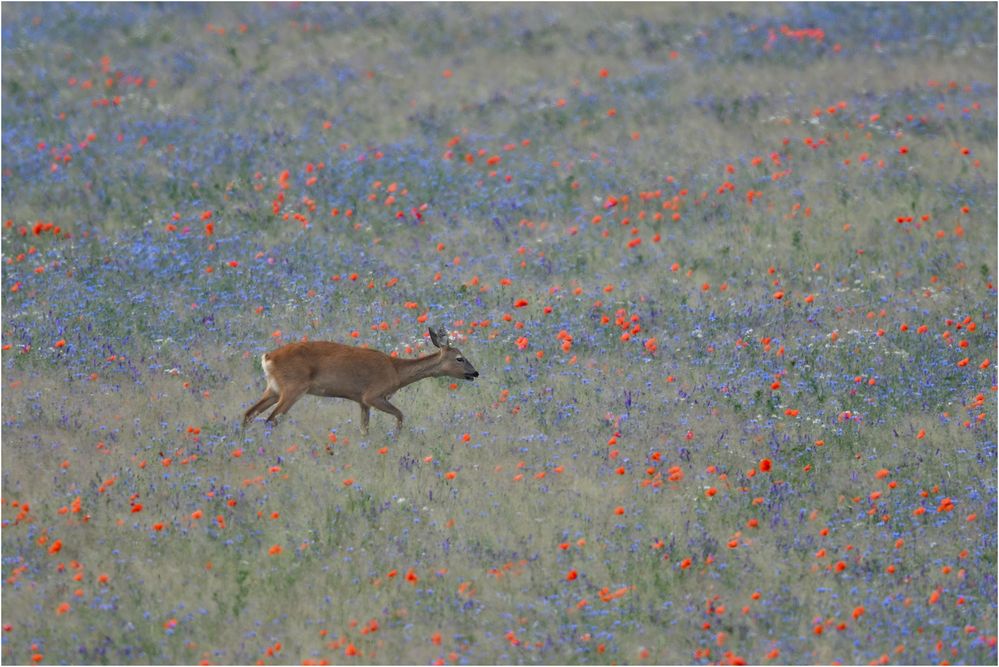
365	417
381	403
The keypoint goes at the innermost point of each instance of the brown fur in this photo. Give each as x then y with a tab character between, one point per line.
368	377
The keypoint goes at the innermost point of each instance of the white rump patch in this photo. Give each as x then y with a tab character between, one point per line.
268	365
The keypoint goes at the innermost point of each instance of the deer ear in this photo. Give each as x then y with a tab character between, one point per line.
441	338
433	337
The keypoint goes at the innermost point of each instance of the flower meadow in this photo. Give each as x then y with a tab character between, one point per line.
727	273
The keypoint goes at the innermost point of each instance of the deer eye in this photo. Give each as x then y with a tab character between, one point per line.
461	359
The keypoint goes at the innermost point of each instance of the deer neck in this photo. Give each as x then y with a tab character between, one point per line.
412	370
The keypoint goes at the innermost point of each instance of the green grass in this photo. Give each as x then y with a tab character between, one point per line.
131	343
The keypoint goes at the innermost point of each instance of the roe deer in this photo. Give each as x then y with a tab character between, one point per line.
369	377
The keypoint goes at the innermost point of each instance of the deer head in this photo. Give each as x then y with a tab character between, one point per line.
452	362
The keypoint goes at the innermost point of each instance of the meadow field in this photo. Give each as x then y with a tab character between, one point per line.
727	273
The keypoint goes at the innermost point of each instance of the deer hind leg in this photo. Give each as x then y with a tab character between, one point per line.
269	399
288	398
382	403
